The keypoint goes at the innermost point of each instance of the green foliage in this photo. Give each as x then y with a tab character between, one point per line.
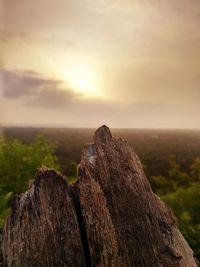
71	179
71	171
4	207
195	170
175	174
162	185
186	206
182	192
72	168
175	178
19	162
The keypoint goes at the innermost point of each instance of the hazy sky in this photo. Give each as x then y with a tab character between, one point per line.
130	63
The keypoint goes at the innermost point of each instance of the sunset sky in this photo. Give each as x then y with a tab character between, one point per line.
84	63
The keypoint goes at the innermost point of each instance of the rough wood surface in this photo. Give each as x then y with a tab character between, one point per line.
141	225
109	218
1	256
102	241
42	229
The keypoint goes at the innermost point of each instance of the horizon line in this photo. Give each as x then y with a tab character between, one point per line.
48	126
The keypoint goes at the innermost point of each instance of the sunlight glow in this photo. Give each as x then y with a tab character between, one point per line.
82	79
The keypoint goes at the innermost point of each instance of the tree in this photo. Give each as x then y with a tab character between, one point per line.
19	162
4	207
186	206
162	185
71	171
175	179
195	170
175	174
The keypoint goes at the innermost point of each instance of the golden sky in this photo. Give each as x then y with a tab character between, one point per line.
130	63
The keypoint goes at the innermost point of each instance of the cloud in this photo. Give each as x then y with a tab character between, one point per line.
49	97
35	90
32	99
7	35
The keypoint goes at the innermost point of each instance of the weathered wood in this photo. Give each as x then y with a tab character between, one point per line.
143	227
109	218
1	255
42	230
102	241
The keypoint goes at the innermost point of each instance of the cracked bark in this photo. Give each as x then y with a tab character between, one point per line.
109	217
42	229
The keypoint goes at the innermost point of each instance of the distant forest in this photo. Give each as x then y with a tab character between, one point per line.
154	147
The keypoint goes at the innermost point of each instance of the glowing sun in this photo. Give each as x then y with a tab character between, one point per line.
83	80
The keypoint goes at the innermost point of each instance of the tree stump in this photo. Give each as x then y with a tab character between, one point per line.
109	218
42	229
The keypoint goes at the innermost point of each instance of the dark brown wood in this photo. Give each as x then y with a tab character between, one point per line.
42	230
109	218
120	208
1	255
102	240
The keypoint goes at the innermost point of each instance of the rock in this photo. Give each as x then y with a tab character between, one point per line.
109	218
